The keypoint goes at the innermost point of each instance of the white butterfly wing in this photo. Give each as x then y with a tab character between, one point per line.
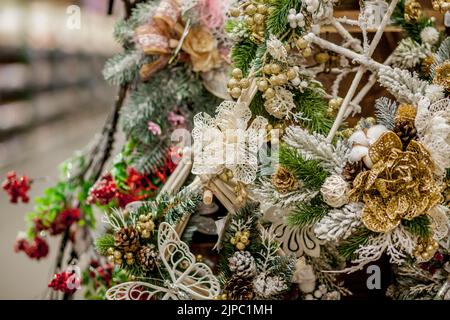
195	278
138	290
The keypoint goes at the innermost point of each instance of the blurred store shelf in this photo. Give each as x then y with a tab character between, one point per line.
49	71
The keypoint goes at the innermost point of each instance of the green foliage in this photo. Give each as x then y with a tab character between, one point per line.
277	23
306	214
419	226
258	109
359	238
313	107
412	29
123	67
103	243
310	172
243	54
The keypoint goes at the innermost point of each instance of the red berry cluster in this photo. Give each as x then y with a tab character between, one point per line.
139	186
17	187
35	250
436	263
101	273
66	282
62	221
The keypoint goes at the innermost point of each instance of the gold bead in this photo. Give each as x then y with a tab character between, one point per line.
235	12
274	80
236	92
425	255
129	255
249	21
282	79
199	258
110	250
246	233
263	85
233	240
224	296
251	9
238	234
130	262
371	121
258	18
322	57
142	218
240	246
267	69
236	73
244	240
111	258
117	254
261	8
269	94
291	74
244	83
307	52
232	83
430	248
275	68
145	234
118	261
435	244
302	43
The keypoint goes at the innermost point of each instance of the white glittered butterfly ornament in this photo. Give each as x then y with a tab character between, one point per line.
187	279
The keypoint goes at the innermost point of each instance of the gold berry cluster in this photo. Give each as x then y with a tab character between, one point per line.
117	257
241	239
255	15
426	249
304	47
274	74
145	226
237	83
442	6
333	106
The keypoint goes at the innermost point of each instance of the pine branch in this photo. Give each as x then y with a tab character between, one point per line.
413	28
308	171
313	107
359	238
385	112
122	68
103	243
243	54
307	214
419	226
277	23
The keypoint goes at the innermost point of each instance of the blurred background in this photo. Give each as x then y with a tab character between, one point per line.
53	100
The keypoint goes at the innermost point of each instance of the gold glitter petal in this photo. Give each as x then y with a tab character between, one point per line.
385	143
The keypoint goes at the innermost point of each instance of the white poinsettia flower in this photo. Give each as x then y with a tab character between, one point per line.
227	141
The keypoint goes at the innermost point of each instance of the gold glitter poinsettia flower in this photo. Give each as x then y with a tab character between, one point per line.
400	185
201	46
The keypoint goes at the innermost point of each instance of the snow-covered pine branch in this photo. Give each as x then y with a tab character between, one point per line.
316	147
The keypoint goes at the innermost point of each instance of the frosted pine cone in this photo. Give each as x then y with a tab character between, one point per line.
238	288
267	286
127	239
429	35
148	258
242	264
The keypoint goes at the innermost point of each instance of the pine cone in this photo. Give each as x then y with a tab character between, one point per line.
127	239
284	181
148	257
352	169
238	288
406	131
242	264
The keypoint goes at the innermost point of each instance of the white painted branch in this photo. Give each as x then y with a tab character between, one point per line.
355	43
342	110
